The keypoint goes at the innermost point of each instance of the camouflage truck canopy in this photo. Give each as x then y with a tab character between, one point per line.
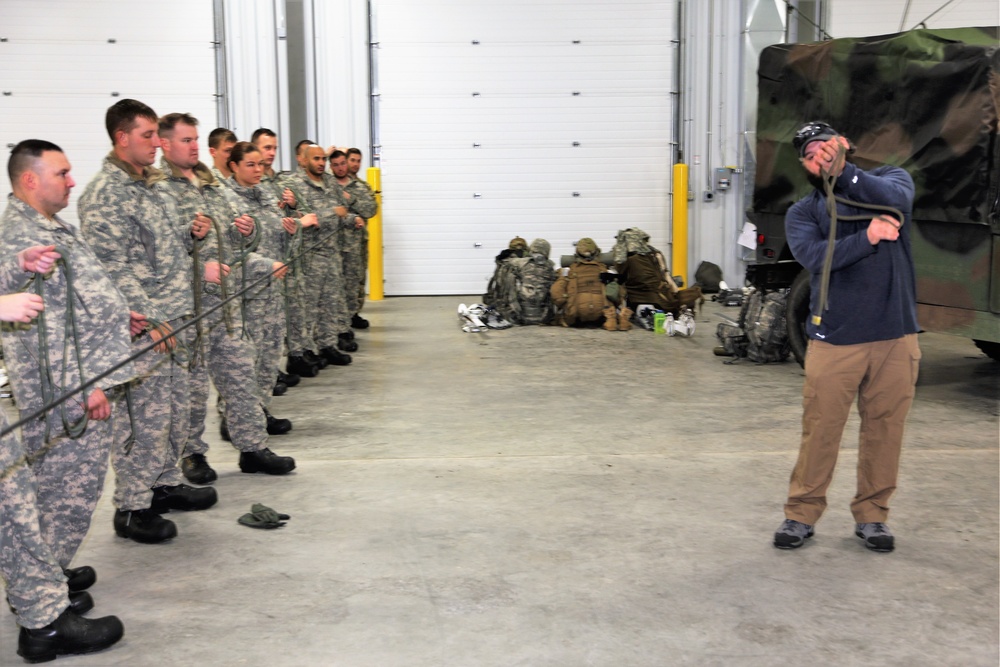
925	100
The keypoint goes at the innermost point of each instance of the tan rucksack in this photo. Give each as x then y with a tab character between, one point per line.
580	293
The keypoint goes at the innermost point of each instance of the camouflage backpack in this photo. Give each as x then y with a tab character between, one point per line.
520	288
765	326
516	248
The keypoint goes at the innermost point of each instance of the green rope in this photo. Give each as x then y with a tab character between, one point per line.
48	384
831	208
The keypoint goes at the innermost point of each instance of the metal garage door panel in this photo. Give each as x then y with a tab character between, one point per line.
62	73
524	133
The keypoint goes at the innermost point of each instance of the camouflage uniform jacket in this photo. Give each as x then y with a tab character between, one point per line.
208	196
128	222
274	240
321	198
100	312
362	204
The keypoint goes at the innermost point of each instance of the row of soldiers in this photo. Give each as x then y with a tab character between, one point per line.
179	275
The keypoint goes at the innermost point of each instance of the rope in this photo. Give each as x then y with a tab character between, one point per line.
831	208
191	322
48	383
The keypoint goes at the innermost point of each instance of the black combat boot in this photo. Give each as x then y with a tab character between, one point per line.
80	602
335	356
311	357
266	461
183	497
276	426
301	366
69	635
224	430
358	322
345	343
288	379
145	526
197	470
80	578
279	389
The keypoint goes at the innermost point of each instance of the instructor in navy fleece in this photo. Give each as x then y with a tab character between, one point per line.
862	344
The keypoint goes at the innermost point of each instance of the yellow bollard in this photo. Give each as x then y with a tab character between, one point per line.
679	245
376	286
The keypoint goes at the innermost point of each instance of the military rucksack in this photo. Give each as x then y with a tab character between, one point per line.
581	293
766	328
520	287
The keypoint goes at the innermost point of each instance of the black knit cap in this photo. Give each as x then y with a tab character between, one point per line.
814	130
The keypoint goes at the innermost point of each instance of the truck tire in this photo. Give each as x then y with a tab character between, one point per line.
991	349
796	316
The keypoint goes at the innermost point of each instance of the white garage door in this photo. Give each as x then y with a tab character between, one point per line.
518	118
64	62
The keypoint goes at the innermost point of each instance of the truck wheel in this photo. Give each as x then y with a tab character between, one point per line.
991	349
796	316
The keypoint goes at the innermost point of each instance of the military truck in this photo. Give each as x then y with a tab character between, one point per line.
925	100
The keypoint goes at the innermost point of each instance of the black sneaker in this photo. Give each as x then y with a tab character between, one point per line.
792	534
288	379
183	497
266	461
876	536
358	322
345	343
145	526
197	470
335	356
69	635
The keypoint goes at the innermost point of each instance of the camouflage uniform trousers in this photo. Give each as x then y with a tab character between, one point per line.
299	332
36	586
161	408
326	299
267	324
355	264
69	474
228	358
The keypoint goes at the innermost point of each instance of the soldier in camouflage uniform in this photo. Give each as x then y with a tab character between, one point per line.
298	337
361	204
46	507
264	303
220	145
101	333
325	299
223	351
128	221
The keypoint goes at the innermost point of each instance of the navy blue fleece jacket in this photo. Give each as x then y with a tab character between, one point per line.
872	293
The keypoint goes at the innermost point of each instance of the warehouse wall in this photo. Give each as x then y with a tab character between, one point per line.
858	18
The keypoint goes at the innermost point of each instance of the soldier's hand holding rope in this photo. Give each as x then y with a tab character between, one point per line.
215	272
20	307
244	225
288	198
38	259
159	332
200	225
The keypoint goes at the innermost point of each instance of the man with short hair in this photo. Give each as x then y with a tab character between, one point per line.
220	145
361	202
222	351
298	337
40	177
862	332
126	219
325	299
46	506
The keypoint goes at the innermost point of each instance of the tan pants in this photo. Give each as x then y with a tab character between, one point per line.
882	375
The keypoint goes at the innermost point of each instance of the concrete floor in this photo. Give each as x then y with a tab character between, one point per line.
544	496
